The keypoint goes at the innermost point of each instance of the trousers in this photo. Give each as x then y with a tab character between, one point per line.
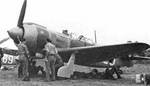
50	67
24	64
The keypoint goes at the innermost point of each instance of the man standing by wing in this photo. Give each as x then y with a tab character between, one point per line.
52	57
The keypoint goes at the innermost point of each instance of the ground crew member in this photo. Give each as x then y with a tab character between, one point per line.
52	57
1	55
115	69
146	79
108	74
23	58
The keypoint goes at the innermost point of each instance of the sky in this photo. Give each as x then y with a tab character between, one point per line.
115	21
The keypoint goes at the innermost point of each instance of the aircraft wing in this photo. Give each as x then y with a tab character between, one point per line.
92	54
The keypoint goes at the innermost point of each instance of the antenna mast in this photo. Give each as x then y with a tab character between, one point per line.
95	36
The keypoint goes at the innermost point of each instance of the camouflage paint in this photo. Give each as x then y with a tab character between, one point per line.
41	37
31	37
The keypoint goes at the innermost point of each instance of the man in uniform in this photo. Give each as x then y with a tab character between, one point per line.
23	58
115	69
52	58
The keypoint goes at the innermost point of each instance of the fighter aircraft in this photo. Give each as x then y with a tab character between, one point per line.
72	50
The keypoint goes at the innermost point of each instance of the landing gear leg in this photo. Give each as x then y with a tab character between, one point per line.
67	70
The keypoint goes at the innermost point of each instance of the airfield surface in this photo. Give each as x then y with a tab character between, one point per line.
9	78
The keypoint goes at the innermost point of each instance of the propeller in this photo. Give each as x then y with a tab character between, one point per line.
21	17
3	40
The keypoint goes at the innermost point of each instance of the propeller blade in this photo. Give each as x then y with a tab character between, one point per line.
22	14
3	40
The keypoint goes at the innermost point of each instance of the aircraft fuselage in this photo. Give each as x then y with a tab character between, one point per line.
36	36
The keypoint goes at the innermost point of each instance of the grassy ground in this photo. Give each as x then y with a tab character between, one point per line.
9	78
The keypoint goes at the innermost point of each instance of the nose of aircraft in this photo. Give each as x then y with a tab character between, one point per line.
15	32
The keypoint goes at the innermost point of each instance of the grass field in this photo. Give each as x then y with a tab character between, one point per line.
9	78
